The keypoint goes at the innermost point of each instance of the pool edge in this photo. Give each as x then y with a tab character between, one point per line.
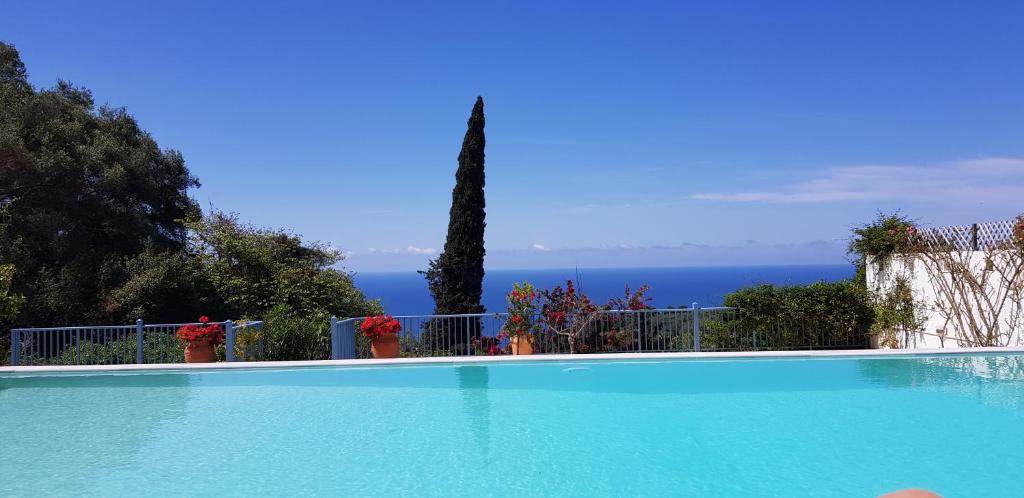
452	360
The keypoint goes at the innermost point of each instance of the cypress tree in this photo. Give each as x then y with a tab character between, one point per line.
456	277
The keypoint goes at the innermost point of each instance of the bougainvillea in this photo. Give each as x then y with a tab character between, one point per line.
631	300
201	333
376	326
568	313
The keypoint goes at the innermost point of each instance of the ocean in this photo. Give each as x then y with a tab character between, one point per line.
405	293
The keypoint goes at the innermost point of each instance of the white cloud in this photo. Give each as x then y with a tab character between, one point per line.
992	179
539	247
397	251
420	250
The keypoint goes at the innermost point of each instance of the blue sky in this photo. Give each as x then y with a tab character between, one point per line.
619	133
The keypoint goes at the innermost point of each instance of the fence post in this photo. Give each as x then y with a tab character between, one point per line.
15	342
696	327
639	337
335	339
138	341
229	340
974	236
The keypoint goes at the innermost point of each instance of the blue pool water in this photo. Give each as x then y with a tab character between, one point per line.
773	427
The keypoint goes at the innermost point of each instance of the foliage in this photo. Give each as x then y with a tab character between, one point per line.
252	271
379	325
522	311
97	220
82	189
613	332
202	333
567	313
887	235
287	337
823	314
631	300
897	313
455	278
9	305
160	287
155	350
9	302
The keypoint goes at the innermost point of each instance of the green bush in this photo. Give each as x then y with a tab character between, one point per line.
287	337
819	315
887	235
5	348
156	349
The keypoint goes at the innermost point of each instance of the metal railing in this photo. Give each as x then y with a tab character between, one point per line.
653	330
139	343
613	331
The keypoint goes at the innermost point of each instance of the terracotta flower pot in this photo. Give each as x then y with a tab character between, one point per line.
384	346
521	345
200	352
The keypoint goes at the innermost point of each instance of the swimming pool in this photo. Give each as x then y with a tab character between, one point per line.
845	426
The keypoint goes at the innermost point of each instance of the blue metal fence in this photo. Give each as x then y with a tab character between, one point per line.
117	344
652	330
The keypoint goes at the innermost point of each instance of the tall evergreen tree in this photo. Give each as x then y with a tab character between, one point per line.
456	277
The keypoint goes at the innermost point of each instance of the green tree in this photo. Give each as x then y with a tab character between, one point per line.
252	271
456	277
9	303
83	190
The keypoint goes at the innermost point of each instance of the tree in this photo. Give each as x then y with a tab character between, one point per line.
456	277
252	271
82	191
9	303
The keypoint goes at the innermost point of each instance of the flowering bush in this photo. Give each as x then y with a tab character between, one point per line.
632	300
568	312
488	345
522	309
380	325
201	333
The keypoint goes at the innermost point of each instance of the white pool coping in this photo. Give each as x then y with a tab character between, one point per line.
457	360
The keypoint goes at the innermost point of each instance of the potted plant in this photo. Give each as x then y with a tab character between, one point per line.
519	326
383	333
199	340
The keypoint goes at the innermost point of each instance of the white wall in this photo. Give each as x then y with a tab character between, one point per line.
922	279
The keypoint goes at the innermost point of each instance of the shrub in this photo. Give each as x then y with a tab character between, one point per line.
887	235
288	337
819	315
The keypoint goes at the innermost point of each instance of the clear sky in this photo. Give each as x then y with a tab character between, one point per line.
618	133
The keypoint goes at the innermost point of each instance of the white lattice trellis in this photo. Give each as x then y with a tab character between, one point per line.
979	236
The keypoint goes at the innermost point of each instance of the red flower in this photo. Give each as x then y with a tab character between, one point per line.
374	326
204	334
204	319
517	319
